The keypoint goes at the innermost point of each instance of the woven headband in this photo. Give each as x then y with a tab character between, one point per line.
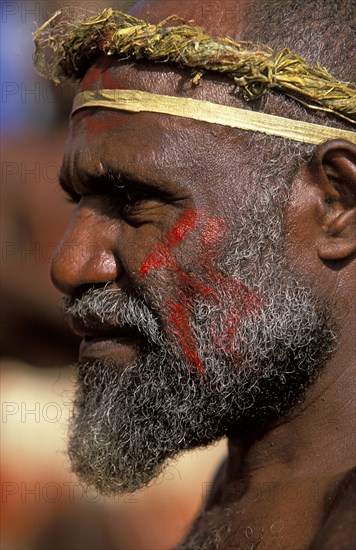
136	101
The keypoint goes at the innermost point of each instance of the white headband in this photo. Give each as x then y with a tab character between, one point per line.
136	101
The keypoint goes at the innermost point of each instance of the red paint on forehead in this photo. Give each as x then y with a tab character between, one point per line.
96	125
100	78
110	81
92	79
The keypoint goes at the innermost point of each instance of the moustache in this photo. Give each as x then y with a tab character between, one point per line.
101	311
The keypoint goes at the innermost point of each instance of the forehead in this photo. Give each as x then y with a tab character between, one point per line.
145	138
159	78
149	144
97	123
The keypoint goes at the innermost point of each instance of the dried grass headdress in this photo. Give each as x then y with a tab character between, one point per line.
254	68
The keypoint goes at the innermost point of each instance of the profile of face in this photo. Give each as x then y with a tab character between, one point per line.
194	325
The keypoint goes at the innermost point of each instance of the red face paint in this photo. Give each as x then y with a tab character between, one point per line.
239	301
98	78
95	125
160	255
92	79
178	324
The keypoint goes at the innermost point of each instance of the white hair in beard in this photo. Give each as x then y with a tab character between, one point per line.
127	424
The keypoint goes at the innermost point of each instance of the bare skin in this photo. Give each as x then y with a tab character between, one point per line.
282	488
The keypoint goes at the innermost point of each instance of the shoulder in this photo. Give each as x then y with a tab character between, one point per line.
339	527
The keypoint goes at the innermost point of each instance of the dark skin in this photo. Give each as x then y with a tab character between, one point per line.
290	486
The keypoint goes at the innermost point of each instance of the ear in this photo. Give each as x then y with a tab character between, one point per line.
333	169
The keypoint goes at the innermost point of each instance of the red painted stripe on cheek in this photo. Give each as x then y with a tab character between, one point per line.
160	255
214	231
179	312
178	323
238	300
187	222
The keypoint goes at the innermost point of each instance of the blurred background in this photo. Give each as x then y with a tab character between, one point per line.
42	504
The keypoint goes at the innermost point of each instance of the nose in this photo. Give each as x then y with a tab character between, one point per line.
86	254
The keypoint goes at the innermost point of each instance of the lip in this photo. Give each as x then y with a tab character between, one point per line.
122	349
94	328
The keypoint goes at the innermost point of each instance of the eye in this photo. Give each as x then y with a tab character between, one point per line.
139	205
136	196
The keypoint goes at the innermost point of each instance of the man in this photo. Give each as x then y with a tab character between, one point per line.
210	271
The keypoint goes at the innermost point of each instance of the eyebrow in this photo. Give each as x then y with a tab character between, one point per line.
110	179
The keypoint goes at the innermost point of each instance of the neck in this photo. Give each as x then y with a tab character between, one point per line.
313	441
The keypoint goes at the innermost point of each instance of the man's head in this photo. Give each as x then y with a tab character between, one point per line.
200	268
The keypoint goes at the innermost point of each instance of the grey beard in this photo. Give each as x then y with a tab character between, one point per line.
128	422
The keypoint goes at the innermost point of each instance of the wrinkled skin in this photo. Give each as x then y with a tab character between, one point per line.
274	488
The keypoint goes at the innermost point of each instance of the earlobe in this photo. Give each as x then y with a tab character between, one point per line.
333	169
339	239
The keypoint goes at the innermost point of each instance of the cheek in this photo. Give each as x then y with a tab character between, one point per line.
229	296
161	254
224	293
